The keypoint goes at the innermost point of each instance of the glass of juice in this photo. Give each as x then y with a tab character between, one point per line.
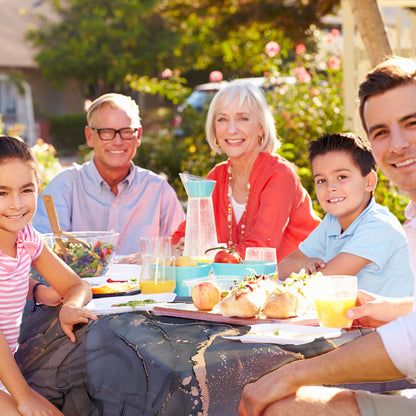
157	274
333	296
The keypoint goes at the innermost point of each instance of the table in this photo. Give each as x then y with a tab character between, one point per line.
138	363
141	364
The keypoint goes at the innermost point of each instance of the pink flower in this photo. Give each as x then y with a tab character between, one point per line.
301	48
215	76
334	63
314	91
302	74
272	49
335	33
330	37
167	73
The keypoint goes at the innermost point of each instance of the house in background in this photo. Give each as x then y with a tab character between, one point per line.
25	97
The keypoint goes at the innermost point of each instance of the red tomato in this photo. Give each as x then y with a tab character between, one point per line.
224	256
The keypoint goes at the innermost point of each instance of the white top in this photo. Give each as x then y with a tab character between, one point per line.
238	209
399	336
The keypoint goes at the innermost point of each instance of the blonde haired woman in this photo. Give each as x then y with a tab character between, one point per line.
258	198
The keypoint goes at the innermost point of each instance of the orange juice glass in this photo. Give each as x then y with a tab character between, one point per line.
157	274
333	296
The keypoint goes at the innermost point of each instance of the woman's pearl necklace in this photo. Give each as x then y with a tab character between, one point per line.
230	210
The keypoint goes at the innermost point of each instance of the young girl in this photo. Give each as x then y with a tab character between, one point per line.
20	247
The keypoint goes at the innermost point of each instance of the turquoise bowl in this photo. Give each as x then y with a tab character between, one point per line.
241	270
191	272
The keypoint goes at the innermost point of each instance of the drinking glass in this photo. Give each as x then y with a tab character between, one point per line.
157	274
333	296
261	254
156	246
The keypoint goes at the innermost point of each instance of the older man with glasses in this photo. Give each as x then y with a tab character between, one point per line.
110	192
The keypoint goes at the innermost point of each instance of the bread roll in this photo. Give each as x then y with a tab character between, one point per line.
244	302
284	304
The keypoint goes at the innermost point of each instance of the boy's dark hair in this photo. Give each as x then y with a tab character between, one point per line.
358	148
391	73
16	148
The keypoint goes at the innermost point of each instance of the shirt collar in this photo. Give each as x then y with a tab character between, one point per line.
97	178
353	225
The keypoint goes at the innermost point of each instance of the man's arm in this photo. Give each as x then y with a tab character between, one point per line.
361	360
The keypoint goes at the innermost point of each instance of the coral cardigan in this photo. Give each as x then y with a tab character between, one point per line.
279	210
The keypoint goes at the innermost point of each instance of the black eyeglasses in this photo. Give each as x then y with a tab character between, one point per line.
127	133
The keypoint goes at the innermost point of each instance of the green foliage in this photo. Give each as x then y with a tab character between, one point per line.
48	164
67	132
99	42
172	88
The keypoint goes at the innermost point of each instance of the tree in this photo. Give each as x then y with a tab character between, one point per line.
99	42
371	27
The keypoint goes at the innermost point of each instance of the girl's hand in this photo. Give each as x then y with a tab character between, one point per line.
71	315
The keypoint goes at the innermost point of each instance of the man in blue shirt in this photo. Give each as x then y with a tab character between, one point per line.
110	192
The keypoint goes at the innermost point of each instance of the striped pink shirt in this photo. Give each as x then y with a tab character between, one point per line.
14	283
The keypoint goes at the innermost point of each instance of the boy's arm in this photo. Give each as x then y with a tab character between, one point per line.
344	263
296	261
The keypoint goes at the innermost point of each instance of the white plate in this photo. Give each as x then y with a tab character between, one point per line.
288	334
104	306
116	272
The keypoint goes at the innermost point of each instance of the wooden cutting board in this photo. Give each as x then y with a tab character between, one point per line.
190	312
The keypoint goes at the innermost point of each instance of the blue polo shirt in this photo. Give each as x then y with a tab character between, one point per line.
377	235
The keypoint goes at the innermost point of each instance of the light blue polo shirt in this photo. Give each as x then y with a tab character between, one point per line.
377	235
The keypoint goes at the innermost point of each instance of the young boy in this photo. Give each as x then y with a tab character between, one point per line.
357	236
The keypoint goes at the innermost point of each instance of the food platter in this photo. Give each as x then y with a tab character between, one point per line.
188	310
115	289
283	334
141	302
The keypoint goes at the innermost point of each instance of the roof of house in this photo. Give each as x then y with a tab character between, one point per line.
16	17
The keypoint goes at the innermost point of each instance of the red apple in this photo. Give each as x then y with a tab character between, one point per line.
205	295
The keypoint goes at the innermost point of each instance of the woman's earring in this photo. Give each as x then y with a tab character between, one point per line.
261	139
217	143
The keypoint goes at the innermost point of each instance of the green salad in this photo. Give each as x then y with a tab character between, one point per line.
89	261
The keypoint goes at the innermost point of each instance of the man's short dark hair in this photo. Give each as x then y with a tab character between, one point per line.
358	148
391	73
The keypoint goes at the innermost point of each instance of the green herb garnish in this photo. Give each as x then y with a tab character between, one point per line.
134	303
276	332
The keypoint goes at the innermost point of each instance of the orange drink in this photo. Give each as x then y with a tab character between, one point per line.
157	274
331	312
333	295
150	286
